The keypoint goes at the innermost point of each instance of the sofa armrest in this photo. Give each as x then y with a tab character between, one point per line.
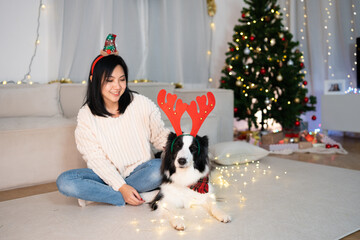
224	108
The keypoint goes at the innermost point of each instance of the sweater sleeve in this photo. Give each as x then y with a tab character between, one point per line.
93	153
158	132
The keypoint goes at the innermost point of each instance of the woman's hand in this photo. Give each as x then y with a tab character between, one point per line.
130	195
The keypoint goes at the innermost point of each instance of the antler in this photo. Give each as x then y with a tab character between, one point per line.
168	108
199	117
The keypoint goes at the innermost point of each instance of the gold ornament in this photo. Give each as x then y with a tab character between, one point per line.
178	85
297	100
211	7
279	78
238	83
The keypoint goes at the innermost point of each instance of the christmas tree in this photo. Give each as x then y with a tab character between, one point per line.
265	70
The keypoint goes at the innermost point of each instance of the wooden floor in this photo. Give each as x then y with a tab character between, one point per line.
349	161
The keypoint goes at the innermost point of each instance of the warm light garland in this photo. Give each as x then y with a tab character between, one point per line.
27	76
236	178
352	38
328	35
211	6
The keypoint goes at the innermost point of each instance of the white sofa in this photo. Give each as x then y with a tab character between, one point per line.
37	125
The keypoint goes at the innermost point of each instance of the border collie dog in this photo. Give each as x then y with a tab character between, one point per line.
185	169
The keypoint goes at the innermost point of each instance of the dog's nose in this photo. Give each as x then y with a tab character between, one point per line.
182	161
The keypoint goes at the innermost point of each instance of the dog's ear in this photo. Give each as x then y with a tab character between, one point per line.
167	163
169	142
202	160
204	141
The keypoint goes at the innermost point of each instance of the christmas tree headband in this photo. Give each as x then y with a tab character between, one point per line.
175	115
109	48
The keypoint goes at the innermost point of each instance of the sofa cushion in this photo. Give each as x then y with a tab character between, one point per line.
34	123
72	97
37	100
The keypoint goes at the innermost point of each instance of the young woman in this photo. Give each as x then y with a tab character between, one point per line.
115	130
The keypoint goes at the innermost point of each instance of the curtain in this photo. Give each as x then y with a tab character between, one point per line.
327	41
163	41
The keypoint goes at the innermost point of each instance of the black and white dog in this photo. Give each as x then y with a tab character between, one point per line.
185	169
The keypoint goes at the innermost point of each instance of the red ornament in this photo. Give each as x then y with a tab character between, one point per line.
328	145
305	83
235	110
313	117
306	99
301	65
232	49
297	123
252	38
262	71
223	81
243	37
243	15
229	69
336	146
283	39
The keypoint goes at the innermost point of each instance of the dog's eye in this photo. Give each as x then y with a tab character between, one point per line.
193	148
177	145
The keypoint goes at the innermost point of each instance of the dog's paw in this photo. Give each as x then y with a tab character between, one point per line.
178	224
225	218
222	216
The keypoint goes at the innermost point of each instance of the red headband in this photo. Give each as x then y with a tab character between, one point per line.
93	65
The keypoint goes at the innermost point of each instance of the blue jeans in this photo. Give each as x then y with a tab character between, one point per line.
83	183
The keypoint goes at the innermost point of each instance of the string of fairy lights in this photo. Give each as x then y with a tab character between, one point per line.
352	38
27	76
328	21
233	181
211	8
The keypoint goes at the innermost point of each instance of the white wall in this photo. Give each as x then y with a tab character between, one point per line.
18	24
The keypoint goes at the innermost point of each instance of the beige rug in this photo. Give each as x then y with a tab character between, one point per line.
272	199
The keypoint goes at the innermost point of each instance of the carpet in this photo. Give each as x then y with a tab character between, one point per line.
269	199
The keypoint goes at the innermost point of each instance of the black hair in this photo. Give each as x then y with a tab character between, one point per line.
102	70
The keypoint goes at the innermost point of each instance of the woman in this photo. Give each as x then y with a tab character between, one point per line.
114	133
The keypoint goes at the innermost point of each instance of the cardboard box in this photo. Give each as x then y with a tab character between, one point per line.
272	138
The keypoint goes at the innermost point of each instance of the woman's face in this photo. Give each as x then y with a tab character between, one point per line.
113	87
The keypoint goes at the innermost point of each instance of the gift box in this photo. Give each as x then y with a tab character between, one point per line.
272	138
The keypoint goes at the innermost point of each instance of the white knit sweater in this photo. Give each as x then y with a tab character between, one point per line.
114	147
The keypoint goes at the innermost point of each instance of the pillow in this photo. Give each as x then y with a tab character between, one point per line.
37	100
237	152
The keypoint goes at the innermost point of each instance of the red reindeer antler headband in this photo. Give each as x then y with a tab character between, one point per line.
175	115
